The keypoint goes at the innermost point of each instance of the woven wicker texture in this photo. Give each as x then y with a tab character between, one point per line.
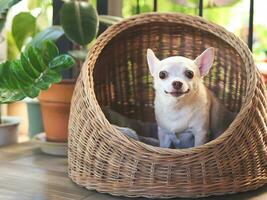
116	75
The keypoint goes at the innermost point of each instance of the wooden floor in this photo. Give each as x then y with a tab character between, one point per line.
27	173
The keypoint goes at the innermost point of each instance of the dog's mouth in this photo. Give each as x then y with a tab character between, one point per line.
177	93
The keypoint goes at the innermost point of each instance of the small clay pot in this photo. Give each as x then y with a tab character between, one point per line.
9	130
55	107
19	109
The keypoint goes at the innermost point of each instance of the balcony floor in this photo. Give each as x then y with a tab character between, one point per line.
26	173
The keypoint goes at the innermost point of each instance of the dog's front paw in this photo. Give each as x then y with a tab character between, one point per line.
176	143
186	139
171	141
166	138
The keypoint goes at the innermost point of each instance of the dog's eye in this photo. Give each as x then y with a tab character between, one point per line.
189	74
163	74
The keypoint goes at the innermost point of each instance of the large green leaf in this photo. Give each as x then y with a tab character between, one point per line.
23	26
52	33
36	59
52	76
36	70
79	21
28	67
61	62
49	51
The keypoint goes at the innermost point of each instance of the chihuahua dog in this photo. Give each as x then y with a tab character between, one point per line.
183	104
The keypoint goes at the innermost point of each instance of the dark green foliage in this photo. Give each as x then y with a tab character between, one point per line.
23	27
37	68
80	21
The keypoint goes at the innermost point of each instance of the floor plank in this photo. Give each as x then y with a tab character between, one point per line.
27	173
44	161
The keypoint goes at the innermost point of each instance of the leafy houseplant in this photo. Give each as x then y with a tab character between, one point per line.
24	26
37	69
79	22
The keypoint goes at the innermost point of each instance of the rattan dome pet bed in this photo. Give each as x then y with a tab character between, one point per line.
116	75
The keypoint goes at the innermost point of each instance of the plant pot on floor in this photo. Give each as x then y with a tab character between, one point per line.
34	117
55	108
19	109
9	130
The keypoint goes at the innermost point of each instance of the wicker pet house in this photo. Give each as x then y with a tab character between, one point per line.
116	75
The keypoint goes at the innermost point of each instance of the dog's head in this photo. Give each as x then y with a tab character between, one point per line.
178	76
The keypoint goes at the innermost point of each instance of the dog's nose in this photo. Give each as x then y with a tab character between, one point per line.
177	85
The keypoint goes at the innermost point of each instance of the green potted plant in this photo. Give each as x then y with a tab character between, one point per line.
79	22
8	125
24	26
38	67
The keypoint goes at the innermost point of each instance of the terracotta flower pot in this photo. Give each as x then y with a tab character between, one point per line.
19	109
55	107
35	119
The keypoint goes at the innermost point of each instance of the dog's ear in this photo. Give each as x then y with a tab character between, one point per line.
152	61
205	61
